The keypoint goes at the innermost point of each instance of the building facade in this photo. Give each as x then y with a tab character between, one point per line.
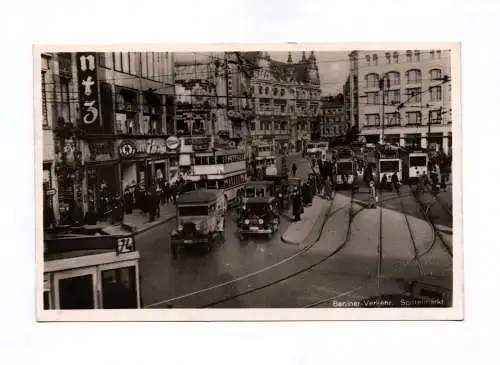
111	115
404	97
286	99
334	121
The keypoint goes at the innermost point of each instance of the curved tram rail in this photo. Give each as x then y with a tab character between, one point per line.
302	251
417	256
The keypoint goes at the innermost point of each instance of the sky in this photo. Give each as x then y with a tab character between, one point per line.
333	66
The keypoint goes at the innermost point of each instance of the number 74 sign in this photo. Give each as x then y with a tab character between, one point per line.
88	92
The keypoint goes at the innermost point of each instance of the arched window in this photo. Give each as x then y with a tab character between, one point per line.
368	59
371	80
260	89
435	74
413	76
267	90
388	57
375	59
409	56
395	57
394	78
275	91
292	92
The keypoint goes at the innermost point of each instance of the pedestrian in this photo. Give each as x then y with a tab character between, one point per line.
373	194
328	189
296	206
395	182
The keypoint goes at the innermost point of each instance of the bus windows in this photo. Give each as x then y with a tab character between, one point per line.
389	166
76	292
119	288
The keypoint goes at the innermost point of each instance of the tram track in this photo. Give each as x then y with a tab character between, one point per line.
417	256
351	216
297	254
330	213
426	211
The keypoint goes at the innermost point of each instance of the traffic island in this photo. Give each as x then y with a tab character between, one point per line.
310	223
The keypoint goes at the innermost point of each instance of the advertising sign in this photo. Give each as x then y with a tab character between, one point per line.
87	90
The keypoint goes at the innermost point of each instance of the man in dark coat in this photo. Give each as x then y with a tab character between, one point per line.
296	206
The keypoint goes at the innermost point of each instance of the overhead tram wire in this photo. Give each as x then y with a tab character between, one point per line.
282	65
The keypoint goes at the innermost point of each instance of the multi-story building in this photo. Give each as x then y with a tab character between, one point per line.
57	90
404	96
286	98
111	114
334	122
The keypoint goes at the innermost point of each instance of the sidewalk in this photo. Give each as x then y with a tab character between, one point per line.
298	232
138	222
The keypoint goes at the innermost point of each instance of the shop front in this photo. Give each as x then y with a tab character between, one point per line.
143	162
101	178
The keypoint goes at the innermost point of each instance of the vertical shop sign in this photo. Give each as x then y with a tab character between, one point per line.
87	87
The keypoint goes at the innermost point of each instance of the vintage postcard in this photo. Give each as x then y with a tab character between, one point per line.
263	182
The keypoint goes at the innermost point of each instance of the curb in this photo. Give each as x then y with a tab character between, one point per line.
324	216
136	231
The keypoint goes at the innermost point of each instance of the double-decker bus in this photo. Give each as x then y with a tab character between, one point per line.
221	170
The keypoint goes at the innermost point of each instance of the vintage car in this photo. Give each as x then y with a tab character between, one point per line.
200	220
256	189
259	216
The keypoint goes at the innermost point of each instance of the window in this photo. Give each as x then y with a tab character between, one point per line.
375	60
144	64
372	80
392	119
415	94
438	54
292	92
372	120
414	118
432	53
156	67
119	288
193	211
267	91
149	57
133	57
45	120
394	78
368	60
417	55
260	89
413	77
409	57
393	97
435	74
65	102
395	57
282	92
434	117
372	98
275	91
117	61
125	62
388	58
436	93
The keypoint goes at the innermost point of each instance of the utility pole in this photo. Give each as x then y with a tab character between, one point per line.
384	83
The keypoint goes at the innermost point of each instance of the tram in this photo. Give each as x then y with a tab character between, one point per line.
91	272
390	163
415	165
345	169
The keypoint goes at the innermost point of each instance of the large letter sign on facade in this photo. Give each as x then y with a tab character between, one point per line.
87	86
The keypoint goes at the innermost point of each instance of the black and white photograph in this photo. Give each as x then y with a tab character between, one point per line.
284	182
